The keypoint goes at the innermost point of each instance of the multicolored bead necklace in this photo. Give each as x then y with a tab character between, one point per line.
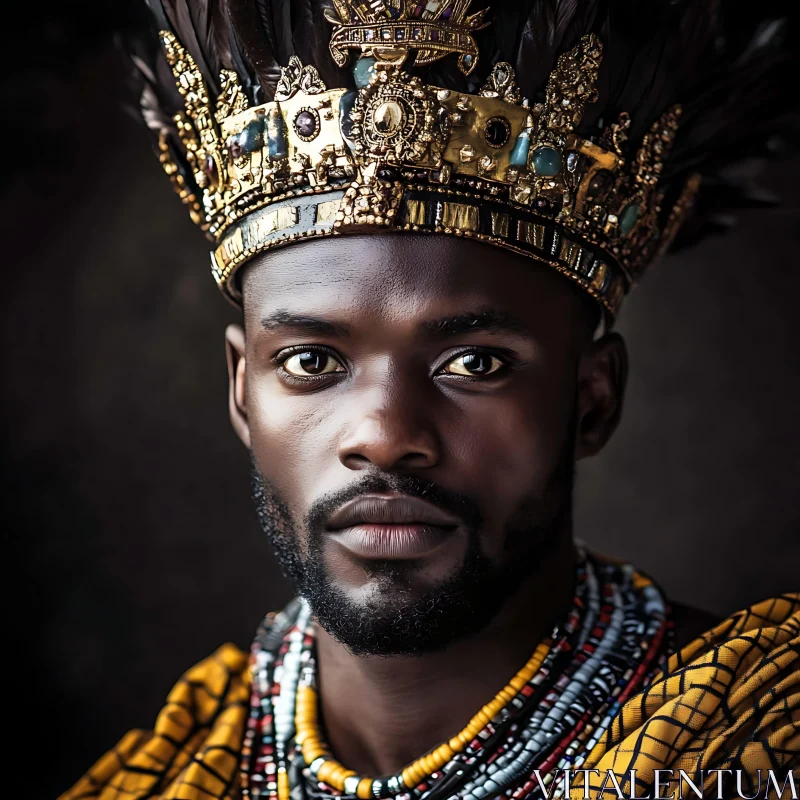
612	642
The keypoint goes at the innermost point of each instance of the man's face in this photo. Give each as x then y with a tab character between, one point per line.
413	406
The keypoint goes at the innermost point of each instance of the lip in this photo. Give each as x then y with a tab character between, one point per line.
393	527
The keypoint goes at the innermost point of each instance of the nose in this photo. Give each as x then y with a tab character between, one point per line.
391	430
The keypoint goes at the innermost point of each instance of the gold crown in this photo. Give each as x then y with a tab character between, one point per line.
399	155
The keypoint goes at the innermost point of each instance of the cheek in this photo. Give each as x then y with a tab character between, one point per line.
509	444
289	436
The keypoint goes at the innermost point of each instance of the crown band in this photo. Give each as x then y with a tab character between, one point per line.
422	209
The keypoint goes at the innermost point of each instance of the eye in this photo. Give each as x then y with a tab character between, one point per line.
311	362
475	365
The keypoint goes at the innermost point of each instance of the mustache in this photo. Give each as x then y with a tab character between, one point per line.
456	503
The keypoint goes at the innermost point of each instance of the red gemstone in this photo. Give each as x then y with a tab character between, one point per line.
234	148
210	169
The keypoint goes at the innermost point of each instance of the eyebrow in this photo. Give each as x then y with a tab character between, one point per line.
484	320
283	319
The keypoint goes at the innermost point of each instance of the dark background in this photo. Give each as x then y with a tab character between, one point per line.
132	538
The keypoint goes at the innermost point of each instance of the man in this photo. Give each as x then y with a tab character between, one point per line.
429	260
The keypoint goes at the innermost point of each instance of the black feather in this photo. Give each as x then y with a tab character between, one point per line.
258	42
240	64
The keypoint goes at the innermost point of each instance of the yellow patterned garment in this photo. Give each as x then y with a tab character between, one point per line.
728	700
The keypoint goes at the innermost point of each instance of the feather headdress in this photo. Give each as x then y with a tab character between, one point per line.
725	62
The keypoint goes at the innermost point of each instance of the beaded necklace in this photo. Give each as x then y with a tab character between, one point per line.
614	639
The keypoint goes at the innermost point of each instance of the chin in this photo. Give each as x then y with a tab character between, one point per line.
392	587
398	610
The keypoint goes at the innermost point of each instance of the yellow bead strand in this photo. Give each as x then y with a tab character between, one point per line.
334	774
283	785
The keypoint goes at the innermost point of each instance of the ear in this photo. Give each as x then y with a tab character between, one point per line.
602	375
237	383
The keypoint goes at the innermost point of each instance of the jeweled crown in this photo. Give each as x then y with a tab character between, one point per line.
397	154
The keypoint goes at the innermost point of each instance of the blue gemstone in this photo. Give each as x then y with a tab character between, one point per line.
519	155
252	137
546	161
277	146
628	218
363	71
346	103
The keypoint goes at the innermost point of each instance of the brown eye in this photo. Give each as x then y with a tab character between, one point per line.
476	365
312	362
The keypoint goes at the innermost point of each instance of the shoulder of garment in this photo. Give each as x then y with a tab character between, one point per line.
194	748
727	700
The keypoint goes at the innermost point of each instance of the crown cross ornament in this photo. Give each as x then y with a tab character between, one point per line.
396	153
388	29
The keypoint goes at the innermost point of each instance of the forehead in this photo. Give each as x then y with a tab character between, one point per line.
397	279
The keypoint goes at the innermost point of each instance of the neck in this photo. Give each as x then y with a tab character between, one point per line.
382	713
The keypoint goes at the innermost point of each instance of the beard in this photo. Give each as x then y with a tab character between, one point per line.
397	619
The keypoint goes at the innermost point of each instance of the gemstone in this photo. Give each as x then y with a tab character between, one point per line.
467	60
546	161
519	155
252	137
277	146
400	34
210	169
486	164
306	123
628	218
443	118
467	154
234	148
497	131
387	174
388	117
363	71
573	160
346	103
521	194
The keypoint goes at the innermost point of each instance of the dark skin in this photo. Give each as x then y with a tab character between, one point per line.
394	327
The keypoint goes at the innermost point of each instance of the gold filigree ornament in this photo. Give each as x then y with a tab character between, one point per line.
398	154
385	28
298	78
397	120
502	83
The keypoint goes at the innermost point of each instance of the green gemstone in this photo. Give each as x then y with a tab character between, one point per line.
346	103
277	145
546	161
251	138
519	155
363	71
628	218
